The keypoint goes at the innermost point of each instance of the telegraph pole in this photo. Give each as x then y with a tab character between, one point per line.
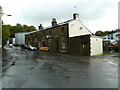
0	46
119	45
1	13
1	22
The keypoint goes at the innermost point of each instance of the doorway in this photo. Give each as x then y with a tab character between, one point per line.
57	46
85	49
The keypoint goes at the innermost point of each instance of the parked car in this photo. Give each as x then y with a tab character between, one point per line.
30	47
11	45
44	48
23	46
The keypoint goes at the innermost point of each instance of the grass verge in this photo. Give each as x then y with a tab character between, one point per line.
0	50
109	54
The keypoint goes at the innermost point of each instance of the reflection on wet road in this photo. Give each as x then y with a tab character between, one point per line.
35	69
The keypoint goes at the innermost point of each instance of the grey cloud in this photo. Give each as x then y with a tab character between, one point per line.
94	10
37	13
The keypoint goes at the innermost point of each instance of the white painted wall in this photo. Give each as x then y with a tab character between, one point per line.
20	38
13	41
96	45
74	28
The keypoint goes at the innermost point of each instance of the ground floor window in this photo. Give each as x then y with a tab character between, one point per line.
63	45
50	44
39	44
43	42
36	44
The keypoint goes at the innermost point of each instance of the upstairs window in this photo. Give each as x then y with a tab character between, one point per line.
62	31
43	33
108	36
111	36
49	32
63	44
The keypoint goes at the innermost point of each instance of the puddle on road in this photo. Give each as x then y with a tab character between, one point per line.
68	69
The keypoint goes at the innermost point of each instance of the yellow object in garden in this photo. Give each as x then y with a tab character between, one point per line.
44	48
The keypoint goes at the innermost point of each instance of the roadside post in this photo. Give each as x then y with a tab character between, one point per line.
119	45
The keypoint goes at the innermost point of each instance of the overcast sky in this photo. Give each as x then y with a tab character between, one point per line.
94	14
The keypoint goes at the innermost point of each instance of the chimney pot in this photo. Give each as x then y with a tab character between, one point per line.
54	22
40	27
75	16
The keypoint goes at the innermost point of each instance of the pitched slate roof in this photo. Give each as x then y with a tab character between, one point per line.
59	24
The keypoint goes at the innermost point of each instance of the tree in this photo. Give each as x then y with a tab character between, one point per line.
25	28
5	34
9	31
15	29
19	28
31	28
99	33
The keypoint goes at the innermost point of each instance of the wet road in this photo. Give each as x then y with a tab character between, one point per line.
32	69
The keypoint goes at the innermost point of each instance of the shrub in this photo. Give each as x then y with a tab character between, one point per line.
116	48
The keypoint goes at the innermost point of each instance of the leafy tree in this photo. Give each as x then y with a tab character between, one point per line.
99	33
15	29
5	34
9	31
31	28
25	28
19	28
117	30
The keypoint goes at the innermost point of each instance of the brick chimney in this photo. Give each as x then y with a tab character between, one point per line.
54	22
40	27
76	16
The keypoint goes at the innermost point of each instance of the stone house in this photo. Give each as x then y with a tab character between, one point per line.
67	37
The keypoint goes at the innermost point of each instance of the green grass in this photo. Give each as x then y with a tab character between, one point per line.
108	54
0	50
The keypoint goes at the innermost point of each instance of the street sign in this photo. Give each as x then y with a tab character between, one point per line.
118	36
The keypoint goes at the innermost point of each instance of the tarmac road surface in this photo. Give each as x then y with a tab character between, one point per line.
36	69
